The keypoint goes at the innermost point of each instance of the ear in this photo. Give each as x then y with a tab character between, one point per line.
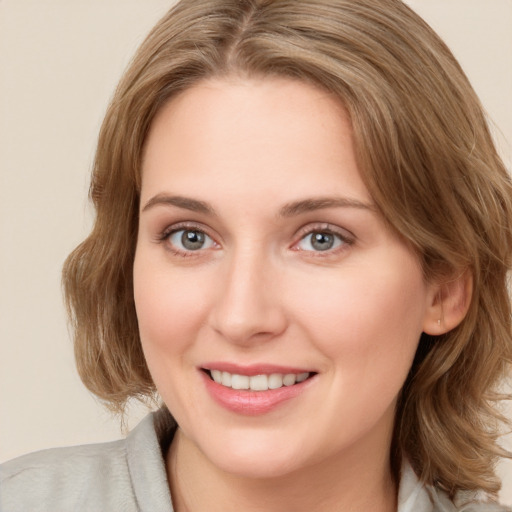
449	301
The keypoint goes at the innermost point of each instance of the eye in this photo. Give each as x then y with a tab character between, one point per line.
186	240
320	241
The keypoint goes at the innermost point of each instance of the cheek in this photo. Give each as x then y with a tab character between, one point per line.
169	307
170	310
367	323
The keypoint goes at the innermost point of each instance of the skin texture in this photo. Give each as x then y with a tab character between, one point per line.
258	292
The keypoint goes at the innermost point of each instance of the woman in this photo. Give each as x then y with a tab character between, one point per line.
302	239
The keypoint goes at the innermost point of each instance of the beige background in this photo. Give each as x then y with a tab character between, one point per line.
59	63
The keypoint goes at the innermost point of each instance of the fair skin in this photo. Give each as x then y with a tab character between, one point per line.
260	251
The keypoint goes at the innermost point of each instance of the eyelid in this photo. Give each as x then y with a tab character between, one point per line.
164	236
346	236
185	225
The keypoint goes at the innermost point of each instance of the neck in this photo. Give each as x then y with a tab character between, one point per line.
352	482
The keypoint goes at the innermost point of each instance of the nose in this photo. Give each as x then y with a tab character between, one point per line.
249	305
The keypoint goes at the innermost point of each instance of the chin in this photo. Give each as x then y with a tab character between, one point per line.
257	466
255	457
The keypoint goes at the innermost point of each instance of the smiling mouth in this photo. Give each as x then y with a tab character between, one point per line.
262	382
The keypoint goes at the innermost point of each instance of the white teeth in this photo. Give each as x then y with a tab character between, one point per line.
239	381
289	379
275	380
257	382
226	379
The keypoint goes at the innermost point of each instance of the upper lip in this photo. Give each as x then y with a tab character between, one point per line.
254	369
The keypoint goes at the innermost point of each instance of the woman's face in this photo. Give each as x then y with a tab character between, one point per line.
261	259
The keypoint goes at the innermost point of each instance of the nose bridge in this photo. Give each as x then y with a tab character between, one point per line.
249	304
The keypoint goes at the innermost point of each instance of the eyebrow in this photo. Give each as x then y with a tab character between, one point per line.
288	210
319	203
186	203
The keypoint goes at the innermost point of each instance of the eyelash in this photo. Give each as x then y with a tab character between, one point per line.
344	239
171	230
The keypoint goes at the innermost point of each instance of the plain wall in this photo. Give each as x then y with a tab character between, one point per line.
59	63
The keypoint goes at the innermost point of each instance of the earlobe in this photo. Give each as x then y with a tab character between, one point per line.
448	304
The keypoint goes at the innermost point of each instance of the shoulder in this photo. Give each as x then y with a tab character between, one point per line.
66	478
415	496
464	503
84	458
126	475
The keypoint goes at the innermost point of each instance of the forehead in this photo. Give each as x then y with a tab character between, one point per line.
268	135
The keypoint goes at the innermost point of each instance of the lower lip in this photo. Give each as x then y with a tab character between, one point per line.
252	403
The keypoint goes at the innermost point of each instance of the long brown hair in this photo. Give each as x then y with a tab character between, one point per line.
424	151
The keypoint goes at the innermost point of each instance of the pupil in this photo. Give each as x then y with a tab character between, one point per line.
192	240
322	241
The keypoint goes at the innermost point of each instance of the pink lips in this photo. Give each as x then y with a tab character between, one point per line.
248	402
